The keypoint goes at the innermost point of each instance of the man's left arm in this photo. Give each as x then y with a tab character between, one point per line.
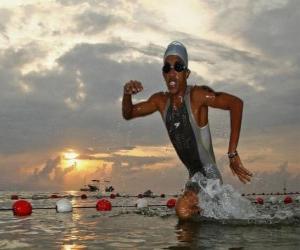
234	104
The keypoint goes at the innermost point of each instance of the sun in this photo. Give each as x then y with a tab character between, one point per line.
70	155
70	158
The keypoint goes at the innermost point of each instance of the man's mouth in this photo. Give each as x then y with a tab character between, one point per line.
172	84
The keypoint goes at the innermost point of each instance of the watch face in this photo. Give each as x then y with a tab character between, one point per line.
231	155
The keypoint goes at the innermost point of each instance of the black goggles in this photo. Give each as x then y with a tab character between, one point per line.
178	67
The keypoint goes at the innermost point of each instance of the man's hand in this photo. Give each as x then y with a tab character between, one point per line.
238	169
133	87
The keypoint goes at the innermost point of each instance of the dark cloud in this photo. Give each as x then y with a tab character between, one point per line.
273	30
49	177
5	17
91	22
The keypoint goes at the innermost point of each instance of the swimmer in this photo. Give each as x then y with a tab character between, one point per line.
184	110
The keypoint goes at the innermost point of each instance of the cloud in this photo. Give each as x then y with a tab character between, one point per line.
63	65
268	181
91	22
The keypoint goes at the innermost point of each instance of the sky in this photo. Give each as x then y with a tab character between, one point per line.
63	65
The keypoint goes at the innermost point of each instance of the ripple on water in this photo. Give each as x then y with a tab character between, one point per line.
13	244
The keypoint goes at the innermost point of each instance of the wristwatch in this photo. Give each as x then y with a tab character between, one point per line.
232	155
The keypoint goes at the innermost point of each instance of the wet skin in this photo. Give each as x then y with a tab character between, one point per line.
187	205
202	97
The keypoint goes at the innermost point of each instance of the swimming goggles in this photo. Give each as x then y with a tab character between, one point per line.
178	67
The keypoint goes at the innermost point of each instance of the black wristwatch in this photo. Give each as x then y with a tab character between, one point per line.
232	155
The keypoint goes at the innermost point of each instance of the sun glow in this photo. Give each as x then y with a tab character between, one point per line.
70	158
70	155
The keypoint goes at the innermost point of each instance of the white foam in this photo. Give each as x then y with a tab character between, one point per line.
223	202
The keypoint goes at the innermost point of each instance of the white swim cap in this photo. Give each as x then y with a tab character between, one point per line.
178	49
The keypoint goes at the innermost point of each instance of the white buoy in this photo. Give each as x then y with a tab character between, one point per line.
273	199
141	203
64	206
297	199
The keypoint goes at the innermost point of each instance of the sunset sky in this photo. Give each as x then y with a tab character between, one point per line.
63	65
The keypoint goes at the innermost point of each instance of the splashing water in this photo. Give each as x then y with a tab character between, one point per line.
223	202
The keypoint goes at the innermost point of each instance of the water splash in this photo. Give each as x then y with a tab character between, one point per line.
223	202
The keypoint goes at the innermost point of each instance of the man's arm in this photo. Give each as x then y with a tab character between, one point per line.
130	110
235	106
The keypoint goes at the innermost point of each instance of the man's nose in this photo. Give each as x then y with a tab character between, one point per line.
172	72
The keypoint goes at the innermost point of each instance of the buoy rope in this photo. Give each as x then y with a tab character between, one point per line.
84	196
80	207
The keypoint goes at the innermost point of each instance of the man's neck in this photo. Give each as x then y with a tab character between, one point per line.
178	98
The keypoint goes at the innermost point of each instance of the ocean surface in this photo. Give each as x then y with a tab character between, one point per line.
273	225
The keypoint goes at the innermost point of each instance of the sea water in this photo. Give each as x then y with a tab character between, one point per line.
223	225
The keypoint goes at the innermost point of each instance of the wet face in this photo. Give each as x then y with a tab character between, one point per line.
175	81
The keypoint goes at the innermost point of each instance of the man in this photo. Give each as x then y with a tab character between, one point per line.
184	110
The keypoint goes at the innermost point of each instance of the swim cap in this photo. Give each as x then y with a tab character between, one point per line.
177	48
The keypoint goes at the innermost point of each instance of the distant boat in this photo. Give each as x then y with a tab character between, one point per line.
109	189
148	193
92	187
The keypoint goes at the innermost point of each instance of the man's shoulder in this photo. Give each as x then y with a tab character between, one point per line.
159	99
159	96
201	89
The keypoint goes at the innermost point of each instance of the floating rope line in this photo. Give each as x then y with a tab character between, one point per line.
24	208
113	196
82	207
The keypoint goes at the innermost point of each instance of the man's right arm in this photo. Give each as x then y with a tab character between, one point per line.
130	110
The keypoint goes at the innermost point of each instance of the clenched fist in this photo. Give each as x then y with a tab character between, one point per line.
133	87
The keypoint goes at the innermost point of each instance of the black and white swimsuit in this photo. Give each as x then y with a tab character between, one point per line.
192	143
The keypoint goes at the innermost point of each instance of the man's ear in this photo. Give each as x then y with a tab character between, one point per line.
187	73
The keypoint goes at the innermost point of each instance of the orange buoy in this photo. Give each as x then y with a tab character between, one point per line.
103	205
171	203
22	208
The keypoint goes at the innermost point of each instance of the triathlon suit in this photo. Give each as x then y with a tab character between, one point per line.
192	143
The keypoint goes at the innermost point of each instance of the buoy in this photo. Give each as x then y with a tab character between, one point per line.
171	203
83	196
162	196
141	203
287	200
14	197
259	200
54	196
140	196
112	196
64	206
273	199
22	208
103	205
